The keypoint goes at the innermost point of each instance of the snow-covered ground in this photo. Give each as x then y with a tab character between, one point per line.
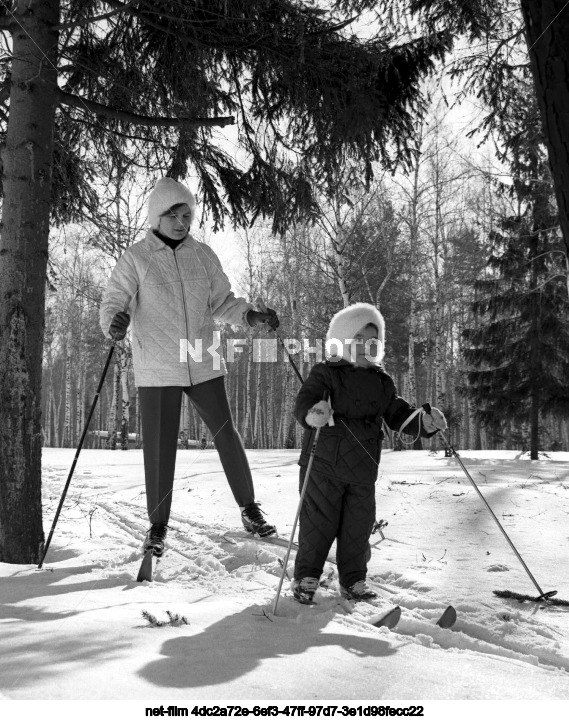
75	629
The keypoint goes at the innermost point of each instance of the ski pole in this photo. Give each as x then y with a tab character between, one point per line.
543	595
61	502
303	491
263	308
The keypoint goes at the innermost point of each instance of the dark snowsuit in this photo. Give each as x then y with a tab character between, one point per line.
340	496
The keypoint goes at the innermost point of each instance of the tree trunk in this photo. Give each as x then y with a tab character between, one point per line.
257	419
67	426
27	159
80	382
125	405
112	438
535	375
57	423
99	425
287	411
465	435
291	423
547	29
246	430
262	424
269	421
414	249
83	395
439	355
341	272
47	427
49	397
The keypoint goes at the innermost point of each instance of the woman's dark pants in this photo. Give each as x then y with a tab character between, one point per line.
160	413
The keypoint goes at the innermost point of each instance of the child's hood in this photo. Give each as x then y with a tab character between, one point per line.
346	323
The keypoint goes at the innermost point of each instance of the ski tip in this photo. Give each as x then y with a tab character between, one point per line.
389	619
145	571
448	618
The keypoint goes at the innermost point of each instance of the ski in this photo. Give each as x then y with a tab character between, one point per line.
153	546
391	618
234	536
145	571
448	619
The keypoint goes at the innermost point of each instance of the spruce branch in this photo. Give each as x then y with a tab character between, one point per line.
95	18
174	619
152	620
144	19
132	118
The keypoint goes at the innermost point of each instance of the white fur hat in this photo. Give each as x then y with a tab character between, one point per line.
348	321
166	193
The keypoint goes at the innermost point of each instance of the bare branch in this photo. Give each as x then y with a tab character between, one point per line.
134	119
336	28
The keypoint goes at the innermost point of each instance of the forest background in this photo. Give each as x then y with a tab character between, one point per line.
411	245
424	246
347	179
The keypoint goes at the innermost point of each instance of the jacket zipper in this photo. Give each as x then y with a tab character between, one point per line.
185	310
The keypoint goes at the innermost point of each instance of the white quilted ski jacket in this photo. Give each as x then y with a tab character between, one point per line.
172	297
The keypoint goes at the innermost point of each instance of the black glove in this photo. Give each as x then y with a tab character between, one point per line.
118	326
255	317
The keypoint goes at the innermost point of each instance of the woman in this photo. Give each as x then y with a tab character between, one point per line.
174	288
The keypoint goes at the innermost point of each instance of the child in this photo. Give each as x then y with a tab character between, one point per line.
339	502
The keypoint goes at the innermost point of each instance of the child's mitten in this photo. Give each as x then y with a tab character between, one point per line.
434	421
319	414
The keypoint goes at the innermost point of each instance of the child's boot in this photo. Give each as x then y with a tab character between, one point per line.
304	589
359	591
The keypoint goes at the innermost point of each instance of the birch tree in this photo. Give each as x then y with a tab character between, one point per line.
124	360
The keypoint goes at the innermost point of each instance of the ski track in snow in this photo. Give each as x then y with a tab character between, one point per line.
439	541
198	553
